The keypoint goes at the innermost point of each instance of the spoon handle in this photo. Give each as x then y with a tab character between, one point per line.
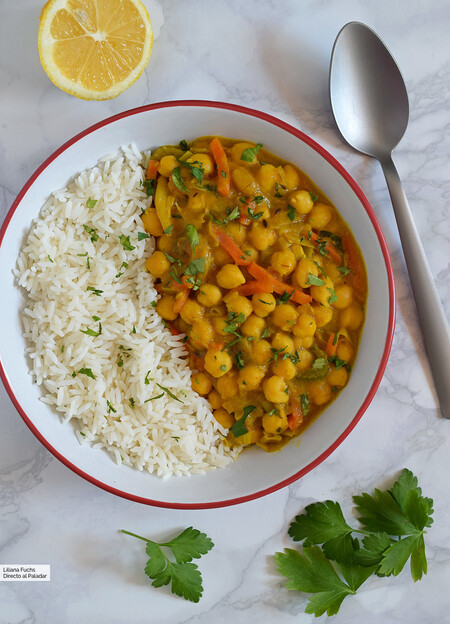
429	308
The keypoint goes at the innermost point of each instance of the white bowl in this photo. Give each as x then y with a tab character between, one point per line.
255	473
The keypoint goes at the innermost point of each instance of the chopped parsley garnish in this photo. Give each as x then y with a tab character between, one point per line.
314	281
291	212
196	168
95	291
110	407
195	267
277	190
322	246
154	304
320	268
276	353
337	362
169	229
91	332
123	266
345	270
192	234
234	320
158	396
333	297
86	371
171	259
125	242
239	360
258	199
184	145
150	186
167	391
142	235
234	214
90	203
284	297
120	361
265	333
92	232
254	216
49	258
133	331
313	197
249	154
239	427
132	403
223	368
304	402
178	180
335	239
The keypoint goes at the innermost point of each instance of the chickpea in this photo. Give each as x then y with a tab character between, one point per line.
320	215
275	389
221	257
344	350
291	178
322	314
323	294
337	377
157	264
152	224
214	399
274	423
263	304
298	252
267	176
217	362
166	165
204	161
237	304
224	418
230	276
201	334
227	386
238	148
284	368
306	359
197	202
191	311
201	383
283	262
331	268
209	295
164	307
219	324
261	238
303	343
305	326
253	326
245	181
344	296
301	201
250	252
250	377
237	232
302	271
352	317
164	243
283	342
285	316
320	392
261	352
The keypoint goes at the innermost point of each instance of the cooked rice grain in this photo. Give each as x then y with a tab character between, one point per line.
70	277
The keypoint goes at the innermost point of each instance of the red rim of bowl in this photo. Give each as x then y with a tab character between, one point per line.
384	249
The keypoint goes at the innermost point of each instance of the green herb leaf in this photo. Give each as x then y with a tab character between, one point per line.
195	267
277	190
334	238
142	235
184	145
110	407
90	203
234	214
167	391
196	168
314	281
344	270
291	212
125	242
249	154
171	259
313	197
91	332
239	360
333	297
304	402
185	576
284	297
253	215
265	333
95	291
150	186
86	371
124	265
192	234
178	180
239	427
337	362
92	232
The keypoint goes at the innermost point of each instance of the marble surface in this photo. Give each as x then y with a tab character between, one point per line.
274	56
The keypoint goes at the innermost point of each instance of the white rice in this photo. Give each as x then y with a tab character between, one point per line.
163	436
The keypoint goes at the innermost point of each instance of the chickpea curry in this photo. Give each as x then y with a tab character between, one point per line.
258	270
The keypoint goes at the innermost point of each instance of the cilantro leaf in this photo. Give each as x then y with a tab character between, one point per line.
178	180
195	267
249	154
312	572
185	576
239	427
190	544
142	235
125	242
291	212
314	281
192	234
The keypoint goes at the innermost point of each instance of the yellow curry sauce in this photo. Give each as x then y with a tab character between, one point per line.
257	268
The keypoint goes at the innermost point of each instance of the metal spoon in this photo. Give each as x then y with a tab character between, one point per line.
370	106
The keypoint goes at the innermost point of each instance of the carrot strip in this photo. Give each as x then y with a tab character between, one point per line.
254	288
295	418
223	169
260	274
229	245
331	347
357	279
331	249
152	169
180	300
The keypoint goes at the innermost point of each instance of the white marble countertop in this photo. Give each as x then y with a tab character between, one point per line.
272	56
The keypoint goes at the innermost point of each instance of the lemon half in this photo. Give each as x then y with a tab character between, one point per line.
94	49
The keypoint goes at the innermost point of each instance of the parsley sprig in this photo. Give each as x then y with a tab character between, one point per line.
334	564
185	576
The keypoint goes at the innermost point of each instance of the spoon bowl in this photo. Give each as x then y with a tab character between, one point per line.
370	106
